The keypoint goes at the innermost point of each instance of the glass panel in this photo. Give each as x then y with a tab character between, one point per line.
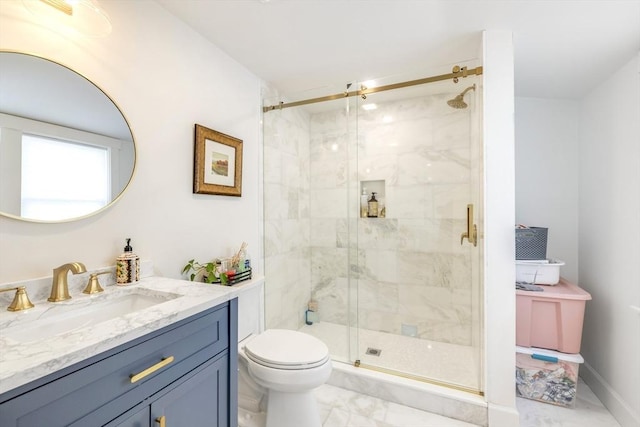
286	218
418	287
306	190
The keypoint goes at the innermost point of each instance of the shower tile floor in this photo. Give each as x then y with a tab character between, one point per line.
449	363
343	408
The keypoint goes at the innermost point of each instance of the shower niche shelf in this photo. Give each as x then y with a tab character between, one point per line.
367	188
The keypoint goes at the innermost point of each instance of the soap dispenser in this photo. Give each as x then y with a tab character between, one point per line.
372	211
127	266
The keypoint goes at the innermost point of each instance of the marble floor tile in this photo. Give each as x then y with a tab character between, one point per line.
344	408
588	411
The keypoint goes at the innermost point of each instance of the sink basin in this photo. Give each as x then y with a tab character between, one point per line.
62	318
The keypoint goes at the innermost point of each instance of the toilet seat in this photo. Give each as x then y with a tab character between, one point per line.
286	350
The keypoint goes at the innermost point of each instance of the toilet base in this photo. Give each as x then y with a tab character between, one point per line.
247	418
292	410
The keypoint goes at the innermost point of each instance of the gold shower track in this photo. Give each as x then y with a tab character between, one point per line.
455	74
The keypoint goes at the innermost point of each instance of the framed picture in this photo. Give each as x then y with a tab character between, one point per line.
217	166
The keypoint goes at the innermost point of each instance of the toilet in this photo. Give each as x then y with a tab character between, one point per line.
277	372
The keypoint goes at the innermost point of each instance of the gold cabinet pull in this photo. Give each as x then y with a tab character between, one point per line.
162	421
472	231
151	369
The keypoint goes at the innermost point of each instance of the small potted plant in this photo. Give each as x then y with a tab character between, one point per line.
202	272
223	271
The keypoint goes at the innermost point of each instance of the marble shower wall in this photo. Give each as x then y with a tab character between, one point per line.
330	137
409	267
286	217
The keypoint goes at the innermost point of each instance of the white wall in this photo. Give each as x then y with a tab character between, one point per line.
499	233
609	239
547	174
165	78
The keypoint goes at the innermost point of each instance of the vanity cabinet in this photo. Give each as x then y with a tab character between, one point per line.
185	372
199	400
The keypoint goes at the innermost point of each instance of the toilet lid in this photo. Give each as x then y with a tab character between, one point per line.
285	349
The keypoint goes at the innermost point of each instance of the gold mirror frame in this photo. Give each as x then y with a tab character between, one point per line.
82	80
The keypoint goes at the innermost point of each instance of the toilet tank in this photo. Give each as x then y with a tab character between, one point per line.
251	310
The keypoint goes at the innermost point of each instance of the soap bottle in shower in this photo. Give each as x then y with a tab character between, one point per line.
372	206
127	266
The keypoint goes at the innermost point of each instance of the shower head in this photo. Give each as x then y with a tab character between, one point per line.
458	101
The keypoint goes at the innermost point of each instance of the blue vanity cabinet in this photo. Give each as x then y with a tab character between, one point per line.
195	383
200	399
201	392
136	417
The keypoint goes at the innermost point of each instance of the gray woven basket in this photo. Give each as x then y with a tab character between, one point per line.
531	243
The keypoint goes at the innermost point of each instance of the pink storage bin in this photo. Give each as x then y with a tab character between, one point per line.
552	318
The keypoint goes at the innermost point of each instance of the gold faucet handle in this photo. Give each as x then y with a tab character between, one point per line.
93	287
20	300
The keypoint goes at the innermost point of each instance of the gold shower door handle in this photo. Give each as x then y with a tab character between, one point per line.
472	231
161	421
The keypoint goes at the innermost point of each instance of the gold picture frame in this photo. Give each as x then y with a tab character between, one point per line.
217	165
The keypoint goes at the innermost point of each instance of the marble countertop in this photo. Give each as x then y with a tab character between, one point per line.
23	362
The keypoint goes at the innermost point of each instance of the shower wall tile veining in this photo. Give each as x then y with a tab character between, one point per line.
418	147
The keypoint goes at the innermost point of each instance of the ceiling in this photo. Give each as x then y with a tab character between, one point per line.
562	48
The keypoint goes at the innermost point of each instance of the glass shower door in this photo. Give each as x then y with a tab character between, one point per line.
418	288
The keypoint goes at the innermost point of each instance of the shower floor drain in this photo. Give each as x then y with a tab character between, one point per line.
373	351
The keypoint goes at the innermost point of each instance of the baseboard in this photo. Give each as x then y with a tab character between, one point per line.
620	410
503	416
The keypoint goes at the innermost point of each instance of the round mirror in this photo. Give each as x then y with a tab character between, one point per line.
66	150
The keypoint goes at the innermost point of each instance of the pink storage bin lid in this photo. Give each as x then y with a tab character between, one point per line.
563	290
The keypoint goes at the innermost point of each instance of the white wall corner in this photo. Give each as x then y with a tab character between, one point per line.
499	275
622	411
609	201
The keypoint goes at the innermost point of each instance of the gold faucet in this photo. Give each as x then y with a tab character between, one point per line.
20	300
60	287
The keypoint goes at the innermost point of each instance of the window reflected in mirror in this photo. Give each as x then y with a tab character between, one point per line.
62	179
